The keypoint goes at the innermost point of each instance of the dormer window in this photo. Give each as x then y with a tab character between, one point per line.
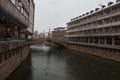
91	11
103	6
87	13
80	16
110	3
83	14
96	9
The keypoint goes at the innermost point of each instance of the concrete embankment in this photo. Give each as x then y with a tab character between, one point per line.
50	44
105	53
96	51
12	54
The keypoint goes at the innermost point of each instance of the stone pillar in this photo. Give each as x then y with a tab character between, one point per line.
93	41
98	40
88	40
113	41
105	39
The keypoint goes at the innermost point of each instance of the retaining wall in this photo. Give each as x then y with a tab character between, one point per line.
105	53
12	54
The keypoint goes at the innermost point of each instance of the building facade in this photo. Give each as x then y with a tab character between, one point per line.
16	19
58	34
99	28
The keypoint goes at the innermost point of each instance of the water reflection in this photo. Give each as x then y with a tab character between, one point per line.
23	72
50	66
42	47
47	63
87	67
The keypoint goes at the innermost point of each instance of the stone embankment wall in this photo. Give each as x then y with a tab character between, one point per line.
112	54
12	54
105	53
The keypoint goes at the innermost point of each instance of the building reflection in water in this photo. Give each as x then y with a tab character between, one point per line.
24	72
87	67
48	63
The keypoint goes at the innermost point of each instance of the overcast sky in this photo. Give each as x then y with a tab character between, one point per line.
54	13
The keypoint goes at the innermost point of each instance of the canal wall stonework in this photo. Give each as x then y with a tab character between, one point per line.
105	53
12	54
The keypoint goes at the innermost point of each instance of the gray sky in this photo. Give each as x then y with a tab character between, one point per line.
55	13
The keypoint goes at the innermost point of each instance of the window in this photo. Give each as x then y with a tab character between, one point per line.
0	59
22	10
5	57
10	55
13	1
26	14
27	2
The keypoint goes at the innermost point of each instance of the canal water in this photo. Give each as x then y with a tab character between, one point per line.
58	63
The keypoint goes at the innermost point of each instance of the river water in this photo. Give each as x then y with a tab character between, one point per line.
58	63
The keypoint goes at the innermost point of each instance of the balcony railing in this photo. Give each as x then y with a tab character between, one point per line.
96	27
97	45
11	9
95	34
104	16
